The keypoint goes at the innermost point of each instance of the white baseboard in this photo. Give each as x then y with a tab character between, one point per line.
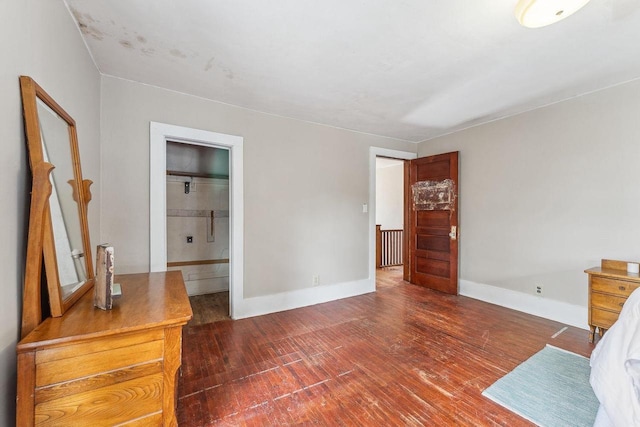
267	304
207	286
558	311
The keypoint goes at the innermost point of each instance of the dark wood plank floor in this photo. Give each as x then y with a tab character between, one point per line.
209	308
401	356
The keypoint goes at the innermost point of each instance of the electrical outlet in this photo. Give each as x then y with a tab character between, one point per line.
539	290
316	280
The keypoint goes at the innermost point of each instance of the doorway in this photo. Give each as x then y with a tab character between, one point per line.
389	217
197	194
162	136
387	210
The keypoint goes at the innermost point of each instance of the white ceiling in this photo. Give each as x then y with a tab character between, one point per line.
407	69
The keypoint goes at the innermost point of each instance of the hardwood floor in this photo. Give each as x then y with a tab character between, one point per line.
401	356
209	308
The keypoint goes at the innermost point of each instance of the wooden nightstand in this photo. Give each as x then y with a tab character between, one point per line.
609	287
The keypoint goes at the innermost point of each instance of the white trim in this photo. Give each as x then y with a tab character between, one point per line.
274	303
158	135
373	153
207	286
569	314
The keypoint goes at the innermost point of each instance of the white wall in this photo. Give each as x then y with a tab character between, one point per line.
205	195
548	193
390	196
304	186
37	38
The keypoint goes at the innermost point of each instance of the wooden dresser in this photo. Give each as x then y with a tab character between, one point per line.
609	287
95	367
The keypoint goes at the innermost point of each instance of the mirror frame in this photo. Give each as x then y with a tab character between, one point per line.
40	243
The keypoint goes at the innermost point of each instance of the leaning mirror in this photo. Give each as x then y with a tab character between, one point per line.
61	229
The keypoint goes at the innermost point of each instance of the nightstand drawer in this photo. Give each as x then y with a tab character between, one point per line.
608	302
609	287
612	286
602	318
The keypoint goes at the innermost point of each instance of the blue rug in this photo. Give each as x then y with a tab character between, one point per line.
550	389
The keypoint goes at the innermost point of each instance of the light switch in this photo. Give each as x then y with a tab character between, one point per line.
365	208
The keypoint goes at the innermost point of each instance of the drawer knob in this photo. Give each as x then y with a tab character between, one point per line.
622	288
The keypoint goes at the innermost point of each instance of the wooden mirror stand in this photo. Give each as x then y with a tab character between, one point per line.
58	227
83	365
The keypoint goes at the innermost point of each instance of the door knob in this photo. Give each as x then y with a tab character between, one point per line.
454	232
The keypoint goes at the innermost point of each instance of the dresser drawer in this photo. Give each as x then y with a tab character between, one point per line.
106	381
603	318
81	360
612	286
106	406
608	302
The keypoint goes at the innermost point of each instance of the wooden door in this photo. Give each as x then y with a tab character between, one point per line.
432	222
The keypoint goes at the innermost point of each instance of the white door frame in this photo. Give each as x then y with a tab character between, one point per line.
159	133
373	153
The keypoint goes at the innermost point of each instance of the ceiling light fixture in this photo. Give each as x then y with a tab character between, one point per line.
538	13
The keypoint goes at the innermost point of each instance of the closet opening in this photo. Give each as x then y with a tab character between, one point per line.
197	224
159	135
